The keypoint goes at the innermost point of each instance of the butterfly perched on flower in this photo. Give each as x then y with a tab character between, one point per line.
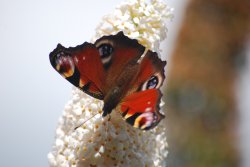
119	71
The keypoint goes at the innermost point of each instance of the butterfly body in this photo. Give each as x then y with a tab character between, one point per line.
121	86
115	69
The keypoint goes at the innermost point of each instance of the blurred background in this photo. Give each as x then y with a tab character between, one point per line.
208	91
207	94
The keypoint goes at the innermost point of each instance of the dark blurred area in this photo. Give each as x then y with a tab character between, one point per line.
201	100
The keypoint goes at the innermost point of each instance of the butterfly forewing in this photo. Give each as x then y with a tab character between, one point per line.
81	66
120	51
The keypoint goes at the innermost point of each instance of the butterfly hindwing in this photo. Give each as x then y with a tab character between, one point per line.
81	66
140	107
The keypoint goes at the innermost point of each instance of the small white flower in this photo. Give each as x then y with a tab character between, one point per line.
138	16
98	141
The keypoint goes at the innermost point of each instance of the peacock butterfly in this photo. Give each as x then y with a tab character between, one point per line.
119	71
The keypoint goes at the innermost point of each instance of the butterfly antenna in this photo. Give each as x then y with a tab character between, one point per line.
85	121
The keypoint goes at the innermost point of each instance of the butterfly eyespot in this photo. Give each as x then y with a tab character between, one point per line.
151	83
154	82
62	56
64	64
155	118
105	51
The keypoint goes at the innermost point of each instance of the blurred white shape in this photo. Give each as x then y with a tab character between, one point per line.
169	44
243	99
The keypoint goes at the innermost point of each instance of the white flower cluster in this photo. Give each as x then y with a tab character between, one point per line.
100	142
139	20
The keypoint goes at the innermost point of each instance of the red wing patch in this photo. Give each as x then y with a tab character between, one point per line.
141	109
81	66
